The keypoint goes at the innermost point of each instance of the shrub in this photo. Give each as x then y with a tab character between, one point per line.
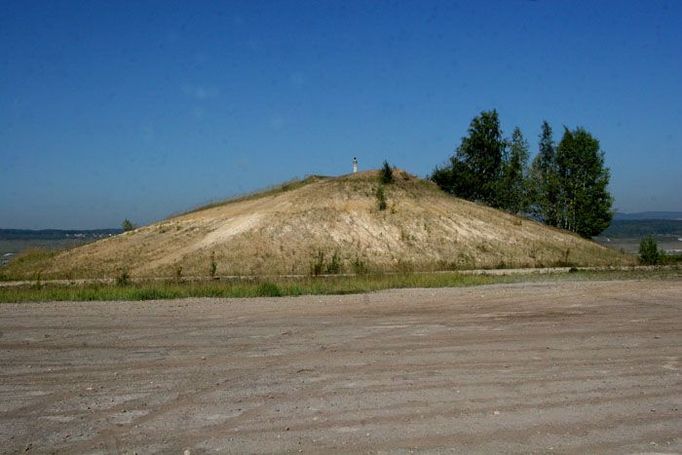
123	278
37	280
670	259
359	267
381	197
564	262
268	289
386	174
214	266
317	264
648	251
127	225
334	265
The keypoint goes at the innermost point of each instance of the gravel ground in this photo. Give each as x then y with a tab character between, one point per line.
576	367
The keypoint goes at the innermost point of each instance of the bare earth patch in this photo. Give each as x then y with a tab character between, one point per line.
577	367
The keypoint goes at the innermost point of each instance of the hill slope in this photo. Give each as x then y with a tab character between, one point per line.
287	231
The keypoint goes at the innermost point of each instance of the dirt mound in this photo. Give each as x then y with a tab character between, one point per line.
329	224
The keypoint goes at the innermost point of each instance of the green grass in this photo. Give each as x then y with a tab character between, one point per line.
155	290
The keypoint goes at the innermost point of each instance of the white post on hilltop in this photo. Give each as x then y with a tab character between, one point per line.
355	165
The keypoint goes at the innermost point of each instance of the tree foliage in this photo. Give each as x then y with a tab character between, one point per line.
474	170
386	173
566	185
584	202
127	225
544	179
513	191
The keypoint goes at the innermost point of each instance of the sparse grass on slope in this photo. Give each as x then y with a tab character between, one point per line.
289	185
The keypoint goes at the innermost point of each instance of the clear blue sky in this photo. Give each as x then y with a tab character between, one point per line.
141	109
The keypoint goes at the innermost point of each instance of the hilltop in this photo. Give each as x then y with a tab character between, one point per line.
327	224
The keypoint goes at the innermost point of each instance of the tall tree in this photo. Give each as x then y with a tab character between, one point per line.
584	204
513	188
543	180
475	168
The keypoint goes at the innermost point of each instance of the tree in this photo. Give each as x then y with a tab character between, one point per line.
648	251
543	179
386	173
584	202
513	189
475	168
127	225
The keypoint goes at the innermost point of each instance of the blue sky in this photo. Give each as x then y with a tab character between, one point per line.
142	109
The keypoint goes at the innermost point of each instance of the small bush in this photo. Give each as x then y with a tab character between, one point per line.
381	198
37	282
648	251
317	264
669	259
334	265
178	273
127	225
359	267
405	266
213	267
123	278
386	174
564	262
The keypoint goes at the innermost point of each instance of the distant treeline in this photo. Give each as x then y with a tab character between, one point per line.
633	229
648	216
564	186
55	234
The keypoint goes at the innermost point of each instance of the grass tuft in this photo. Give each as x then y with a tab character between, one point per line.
268	289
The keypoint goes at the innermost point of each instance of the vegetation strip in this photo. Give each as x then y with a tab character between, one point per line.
155	290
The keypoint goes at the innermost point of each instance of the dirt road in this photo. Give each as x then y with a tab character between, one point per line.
578	367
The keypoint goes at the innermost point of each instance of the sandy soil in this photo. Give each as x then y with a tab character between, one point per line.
536	368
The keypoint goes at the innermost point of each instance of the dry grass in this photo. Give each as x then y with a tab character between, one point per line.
282	231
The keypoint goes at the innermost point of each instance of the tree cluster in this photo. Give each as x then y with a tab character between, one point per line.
564	186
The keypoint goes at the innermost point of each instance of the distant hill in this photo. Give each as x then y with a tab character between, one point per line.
329	225
648	216
56	234
640	228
